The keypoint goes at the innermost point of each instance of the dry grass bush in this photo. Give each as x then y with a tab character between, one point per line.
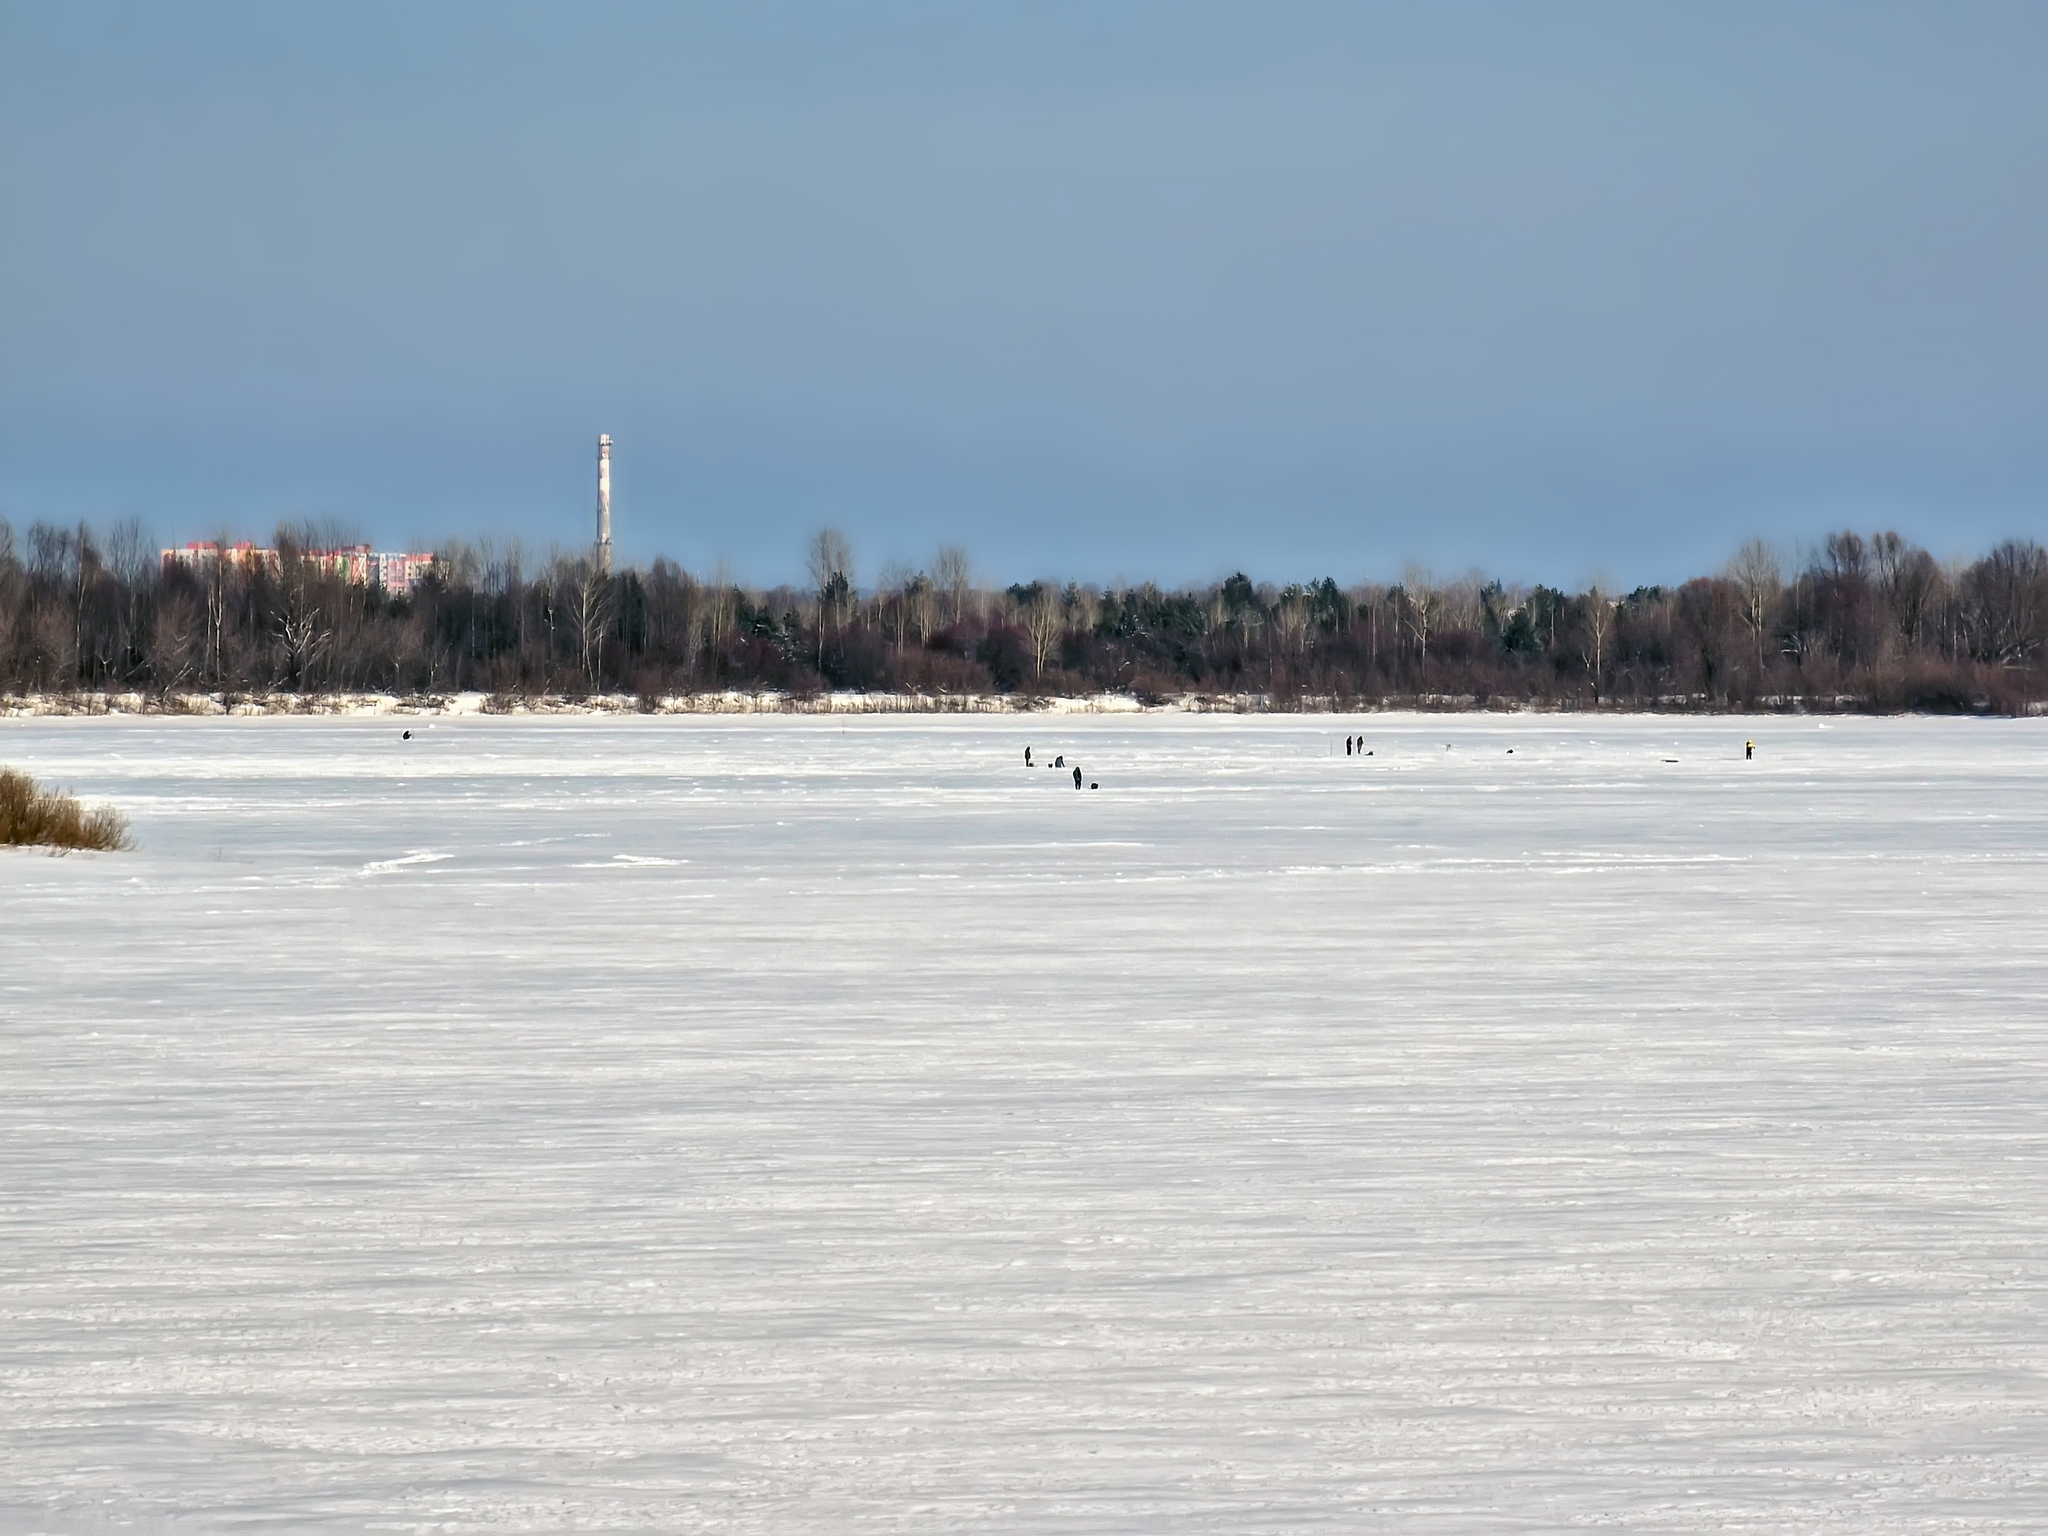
42	818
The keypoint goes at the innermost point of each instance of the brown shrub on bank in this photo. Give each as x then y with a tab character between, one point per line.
42	818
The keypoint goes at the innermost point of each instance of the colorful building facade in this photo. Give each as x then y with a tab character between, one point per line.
357	564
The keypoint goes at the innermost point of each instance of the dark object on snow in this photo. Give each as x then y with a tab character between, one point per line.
405	735
1077	778
1094	786
1027	757
1060	761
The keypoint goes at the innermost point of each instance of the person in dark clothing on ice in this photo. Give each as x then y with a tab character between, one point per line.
1027	757
1077	778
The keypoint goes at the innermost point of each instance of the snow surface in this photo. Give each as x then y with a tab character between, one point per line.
816	1125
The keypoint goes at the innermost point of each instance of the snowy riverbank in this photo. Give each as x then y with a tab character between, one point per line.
733	702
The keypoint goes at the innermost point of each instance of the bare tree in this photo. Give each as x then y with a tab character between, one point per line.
176	643
1216	613
1042	620
1291	620
1759	579
1365	600
1083	608
1422	604
892	601
1463	605
830	561
305	637
1848	557
954	577
671	609
130	555
2008	601
13	595
920	607
220	575
82	569
590	615
299	574
1907	577
719	612
1599	626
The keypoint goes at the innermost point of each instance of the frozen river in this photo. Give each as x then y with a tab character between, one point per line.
814	1125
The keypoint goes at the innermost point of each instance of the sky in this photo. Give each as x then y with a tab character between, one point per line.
1119	290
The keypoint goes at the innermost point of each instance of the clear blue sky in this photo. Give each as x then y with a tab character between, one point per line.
1146	289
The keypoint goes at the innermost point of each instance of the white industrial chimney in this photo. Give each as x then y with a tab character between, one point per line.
604	504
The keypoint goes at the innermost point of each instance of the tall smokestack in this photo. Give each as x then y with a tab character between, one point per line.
604	504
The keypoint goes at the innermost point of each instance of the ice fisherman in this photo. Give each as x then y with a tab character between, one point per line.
1748	750
1027	757
1077	777
1347	746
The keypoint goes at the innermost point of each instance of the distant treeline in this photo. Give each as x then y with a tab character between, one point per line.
1871	623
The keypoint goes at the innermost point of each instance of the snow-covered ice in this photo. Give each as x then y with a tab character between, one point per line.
821	1125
